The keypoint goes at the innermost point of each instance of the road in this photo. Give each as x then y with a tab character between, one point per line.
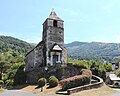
16	93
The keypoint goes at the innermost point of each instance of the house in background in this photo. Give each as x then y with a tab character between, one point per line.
112	79
115	66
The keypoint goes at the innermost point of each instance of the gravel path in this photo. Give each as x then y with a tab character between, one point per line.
16	93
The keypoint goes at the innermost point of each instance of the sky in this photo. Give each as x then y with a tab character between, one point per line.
84	20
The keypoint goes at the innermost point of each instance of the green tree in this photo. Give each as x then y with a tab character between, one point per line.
117	72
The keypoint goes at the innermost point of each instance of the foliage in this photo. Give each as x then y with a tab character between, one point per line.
7	42
93	51
74	81
20	76
108	67
9	83
42	82
81	64
96	67
1	83
86	72
4	77
53	81
117	72
12	53
3	66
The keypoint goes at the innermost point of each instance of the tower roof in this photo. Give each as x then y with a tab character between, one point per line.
53	15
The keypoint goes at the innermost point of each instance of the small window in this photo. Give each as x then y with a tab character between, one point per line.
55	23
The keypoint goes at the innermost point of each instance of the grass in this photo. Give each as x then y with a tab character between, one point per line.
104	90
1	90
51	91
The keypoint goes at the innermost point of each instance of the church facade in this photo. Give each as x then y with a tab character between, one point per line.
50	51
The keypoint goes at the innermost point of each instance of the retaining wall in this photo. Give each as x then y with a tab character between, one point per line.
86	87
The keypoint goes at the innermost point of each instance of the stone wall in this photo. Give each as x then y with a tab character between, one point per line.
34	75
60	71
29	60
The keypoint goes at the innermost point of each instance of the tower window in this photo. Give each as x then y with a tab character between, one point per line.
55	23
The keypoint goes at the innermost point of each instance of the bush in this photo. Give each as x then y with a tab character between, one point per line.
75	81
1	83
53	81
83	64
108	67
41	82
20	74
117	72
4	77
9	83
86	72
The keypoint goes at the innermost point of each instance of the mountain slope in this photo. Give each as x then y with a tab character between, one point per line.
93	50
79	50
7	42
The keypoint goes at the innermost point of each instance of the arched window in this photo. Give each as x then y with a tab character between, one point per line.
55	23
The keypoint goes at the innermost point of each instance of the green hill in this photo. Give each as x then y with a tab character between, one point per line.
76	50
7	43
93	50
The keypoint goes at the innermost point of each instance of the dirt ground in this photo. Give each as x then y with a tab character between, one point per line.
104	90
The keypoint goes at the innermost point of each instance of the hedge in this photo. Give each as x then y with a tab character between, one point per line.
76	81
53	81
42	82
86	72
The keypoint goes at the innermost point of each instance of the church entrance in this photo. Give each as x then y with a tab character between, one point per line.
55	59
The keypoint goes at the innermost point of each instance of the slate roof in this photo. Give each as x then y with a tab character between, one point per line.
54	16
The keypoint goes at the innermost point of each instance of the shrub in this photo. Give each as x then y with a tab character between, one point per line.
41	82
53	81
1	83
9	83
75	81
117	72
84	64
108	67
86	72
20	73
4	77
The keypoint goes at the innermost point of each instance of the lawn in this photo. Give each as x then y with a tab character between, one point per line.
51	91
1	90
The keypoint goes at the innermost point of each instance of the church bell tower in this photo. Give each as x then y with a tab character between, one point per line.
53	36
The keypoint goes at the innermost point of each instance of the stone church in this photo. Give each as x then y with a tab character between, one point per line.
50	51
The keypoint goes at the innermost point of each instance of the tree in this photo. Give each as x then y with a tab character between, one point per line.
117	72
3	66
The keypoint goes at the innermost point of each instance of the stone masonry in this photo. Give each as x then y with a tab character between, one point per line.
50	51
